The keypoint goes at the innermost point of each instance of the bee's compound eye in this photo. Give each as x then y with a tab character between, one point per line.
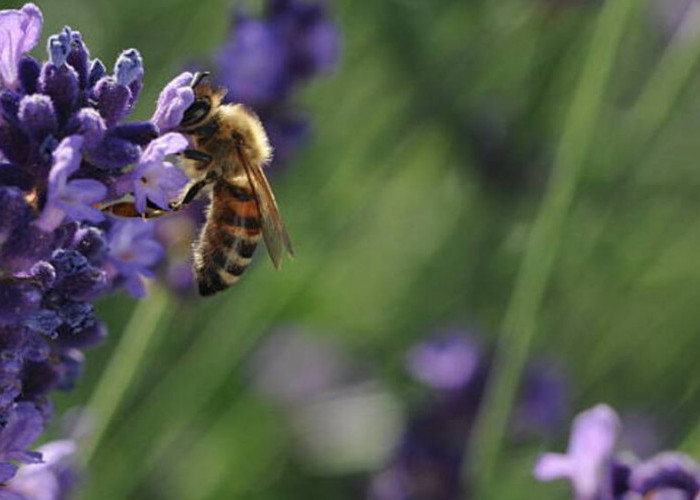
198	110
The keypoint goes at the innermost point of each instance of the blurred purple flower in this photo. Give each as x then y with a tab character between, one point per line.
596	474
586	462
70	199
19	33
265	60
667	475
426	465
447	361
258	75
156	179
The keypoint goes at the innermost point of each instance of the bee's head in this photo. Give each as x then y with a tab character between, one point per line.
206	99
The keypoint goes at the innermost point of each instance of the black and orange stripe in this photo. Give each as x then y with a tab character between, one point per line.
229	237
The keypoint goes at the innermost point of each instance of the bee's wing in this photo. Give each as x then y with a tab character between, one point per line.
276	237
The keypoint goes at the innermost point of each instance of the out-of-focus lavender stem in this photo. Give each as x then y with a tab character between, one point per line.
521	316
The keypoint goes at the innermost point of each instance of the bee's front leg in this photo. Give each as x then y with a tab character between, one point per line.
193	190
193	154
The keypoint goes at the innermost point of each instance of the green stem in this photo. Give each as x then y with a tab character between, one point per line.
143	328
521	316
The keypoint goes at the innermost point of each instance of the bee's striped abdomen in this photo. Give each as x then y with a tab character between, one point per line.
229	237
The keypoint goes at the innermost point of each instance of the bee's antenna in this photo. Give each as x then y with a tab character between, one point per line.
198	77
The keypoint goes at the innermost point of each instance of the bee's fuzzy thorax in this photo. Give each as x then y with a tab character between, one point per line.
239	119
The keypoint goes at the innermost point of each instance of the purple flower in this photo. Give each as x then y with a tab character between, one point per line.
259	74
19	33
266	59
597	475
23	427
667	475
156	179
175	98
591	446
53	479
447	361
454	367
133	252
72	199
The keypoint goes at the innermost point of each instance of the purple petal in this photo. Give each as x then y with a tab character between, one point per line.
22	429
29	71
86	191
591	445
447	361
175	98
595	432
135	286
552	466
19	33
141	133
37	115
66	160
113	100
6	472
113	152
9	495
165	145
59	46
73	199
159	182
51	217
62	85
88	123
667	471
129	67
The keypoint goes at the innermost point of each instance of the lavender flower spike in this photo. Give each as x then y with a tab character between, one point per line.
155	179
19	33
175	98
591	445
72	199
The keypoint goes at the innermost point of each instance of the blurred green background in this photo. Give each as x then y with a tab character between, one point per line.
409	209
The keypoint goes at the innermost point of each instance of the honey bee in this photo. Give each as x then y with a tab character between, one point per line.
230	149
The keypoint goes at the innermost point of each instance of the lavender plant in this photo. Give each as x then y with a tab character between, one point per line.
64	150
454	367
596	472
